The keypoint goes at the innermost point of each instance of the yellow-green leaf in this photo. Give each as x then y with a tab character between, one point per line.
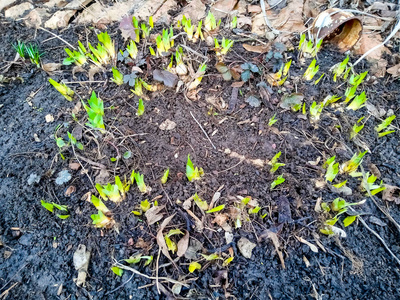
145	205
227	261
118	271
211	256
174	232
170	244
194	266
200	203
215	209
348	220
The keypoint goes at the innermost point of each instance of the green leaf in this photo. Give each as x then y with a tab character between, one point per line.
145	205
332	171
113	159
348	220
381	134
385	123
339	185
99	204
99	188
245	201
60	142
194	266
246	75
140	110
170	244
215	209
254	210
227	261
211	256
118	271
132	177
136	213
277	181
48	206
191	172
174	232
165	177
60	207
127	154
79	146
338	204
200	203
63	217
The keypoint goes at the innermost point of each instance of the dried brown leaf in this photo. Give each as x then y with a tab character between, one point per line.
183	244
389	193
275	240
161	241
257	49
154	214
51	68
70	190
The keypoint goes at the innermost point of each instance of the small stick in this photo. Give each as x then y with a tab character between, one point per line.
205	133
61	39
274	31
195	52
158	258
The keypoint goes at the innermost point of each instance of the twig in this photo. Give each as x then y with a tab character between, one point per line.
5	293
205	133
61	39
267	22
195	52
242	160
394	31
121	266
158	258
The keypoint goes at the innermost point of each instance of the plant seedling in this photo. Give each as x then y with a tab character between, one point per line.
132	49
210	23
385	124
200	203
367	184
139	84
311	70
358	102
74	142
100	55
332	169
234	22
164	178
108	44
115	192
34	54
199	76
307	48
352	165
222	50
63	89
165	42
136	259
50	207
102	221
118	78
171	245
77	57
356	128
193	173
354	81
95	112
315	111
248	68
330	99
99	205
140	110
199	33
194	266
20	49
340	68
140	183
277	181
188	27
216	209
181	68
136	30
274	163
272	120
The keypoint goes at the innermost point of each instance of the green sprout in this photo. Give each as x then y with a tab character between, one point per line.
95	111
193	173
193	266
165	42
272	120
164	178
340	68
135	24
358	102
77	57
330	99
100	55
356	128
100	220
222	50
332	169
210	23
385	124
51	205
311	70
199	33
234	22
145	30
319	79
108	44
139	84
315	111
352	165
277	181
20	49
188	28
354	81
200	203
74	142
137	258
115	192
140	110
307	47
171	245
118	78
132	49
99	204
181	68
63	89
140	183
199	76
34	54
367	184
216	209
274	163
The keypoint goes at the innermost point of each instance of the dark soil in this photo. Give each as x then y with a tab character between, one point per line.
36	256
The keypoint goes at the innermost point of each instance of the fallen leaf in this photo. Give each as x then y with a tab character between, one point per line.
195	11
394	71
367	42
222	7
70	190
81	262
312	246
388	194
50	68
275	240
126	27
154	214
257	49
93	71
49	118
183	244
161	240
253	101
77	108
169	79
253	9
246	247
167	125
237	84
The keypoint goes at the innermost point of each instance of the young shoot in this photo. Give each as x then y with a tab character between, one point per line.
332	169
274	163
193	173
385	124
51	205
63	89
135	23
100	220
199	33
272	120
140	110
358	102
118	78
200	203
20	49
307	47
234	22
74	142
99	205
181	68
132	49
165	42
222	50
354	81
352	165
100	55
115	192
199	76
34	54
77	57
95	111
340	68
210	23
188	28
277	181
311	70
140	183
330	99
368	185
356	128
315	111
139	84
108	44
164	178
145	30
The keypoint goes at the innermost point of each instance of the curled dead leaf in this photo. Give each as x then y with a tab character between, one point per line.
70	190
183	244
161	240
257	49
154	214
51	68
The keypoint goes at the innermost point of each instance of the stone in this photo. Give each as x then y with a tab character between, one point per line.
5	3
17	10
36	17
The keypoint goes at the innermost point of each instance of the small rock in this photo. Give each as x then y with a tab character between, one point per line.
18	10
63	177
36	138
49	118
5	3
33	178
167	125
246	247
